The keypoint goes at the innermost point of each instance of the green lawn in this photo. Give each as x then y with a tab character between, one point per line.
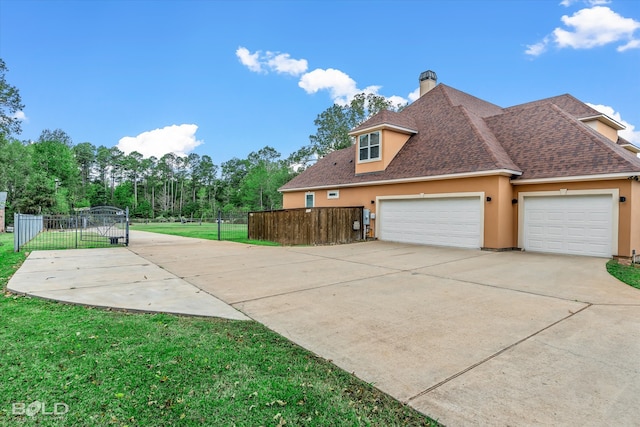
205	230
123	369
629	274
68	239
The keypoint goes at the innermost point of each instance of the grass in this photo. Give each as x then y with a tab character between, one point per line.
123	369
209	231
629	274
67	239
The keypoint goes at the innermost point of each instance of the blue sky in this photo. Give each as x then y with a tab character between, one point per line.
225	78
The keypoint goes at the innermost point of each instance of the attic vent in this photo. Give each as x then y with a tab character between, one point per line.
428	81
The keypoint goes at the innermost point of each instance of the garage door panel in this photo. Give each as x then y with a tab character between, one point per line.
579	225
438	221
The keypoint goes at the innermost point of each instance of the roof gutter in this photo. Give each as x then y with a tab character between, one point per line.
604	119
603	177
500	172
381	127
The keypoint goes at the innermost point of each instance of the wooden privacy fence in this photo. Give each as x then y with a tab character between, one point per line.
307	226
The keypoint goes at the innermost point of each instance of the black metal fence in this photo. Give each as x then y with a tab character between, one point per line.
97	227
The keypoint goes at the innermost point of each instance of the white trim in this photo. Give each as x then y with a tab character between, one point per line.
615	209
369	160
313	199
479	194
631	147
602	177
503	172
604	119
383	126
336	196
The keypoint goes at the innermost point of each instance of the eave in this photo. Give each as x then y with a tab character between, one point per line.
499	172
606	120
581	178
384	126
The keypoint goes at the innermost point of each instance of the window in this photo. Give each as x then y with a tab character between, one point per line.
333	194
369	146
309	200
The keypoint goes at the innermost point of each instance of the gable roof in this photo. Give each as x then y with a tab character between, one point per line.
388	118
456	134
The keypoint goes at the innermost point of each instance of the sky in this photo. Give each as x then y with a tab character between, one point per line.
227	78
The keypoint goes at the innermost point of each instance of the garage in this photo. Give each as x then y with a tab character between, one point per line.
576	225
442	221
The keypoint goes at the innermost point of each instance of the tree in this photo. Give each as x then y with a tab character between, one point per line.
233	172
57	135
103	160
57	161
15	168
133	166
10	105
335	123
85	154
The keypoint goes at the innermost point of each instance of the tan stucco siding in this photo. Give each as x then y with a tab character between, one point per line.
500	214
634	216
390	142
497	233
606	130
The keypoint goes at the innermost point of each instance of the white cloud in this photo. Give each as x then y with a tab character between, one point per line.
281	63
589	28
593	27
341	87
248	59
630	134
177	139
20	115
568	3
538	48
414	95
633	44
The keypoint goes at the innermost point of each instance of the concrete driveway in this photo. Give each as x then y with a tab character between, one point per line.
467	337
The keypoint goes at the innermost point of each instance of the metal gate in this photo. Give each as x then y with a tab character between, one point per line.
96	227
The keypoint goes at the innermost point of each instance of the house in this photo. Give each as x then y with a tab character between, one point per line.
451	169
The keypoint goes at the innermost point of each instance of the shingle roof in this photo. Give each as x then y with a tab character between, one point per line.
566	102
546	141
459	133
388	117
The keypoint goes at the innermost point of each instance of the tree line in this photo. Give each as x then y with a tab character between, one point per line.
54	175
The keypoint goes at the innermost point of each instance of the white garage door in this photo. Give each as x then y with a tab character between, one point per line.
455	221
578	225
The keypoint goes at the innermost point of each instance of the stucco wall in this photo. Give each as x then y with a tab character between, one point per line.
634	219
500	214
498	233
391	142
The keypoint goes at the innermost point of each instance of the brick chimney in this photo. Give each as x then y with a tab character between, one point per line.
428	81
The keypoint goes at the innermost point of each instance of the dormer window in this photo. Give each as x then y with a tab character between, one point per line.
369	146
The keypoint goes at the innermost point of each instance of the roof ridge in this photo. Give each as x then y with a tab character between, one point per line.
596	136
553	100
490	146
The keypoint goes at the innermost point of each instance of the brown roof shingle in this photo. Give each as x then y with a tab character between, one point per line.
459	133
